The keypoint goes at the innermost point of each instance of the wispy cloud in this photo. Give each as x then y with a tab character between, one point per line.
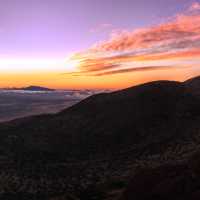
195	6
181	29
134	69
178	38
101	27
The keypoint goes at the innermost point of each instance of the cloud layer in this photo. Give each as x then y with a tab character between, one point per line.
146	48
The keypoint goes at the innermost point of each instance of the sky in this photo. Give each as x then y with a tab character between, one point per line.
98	43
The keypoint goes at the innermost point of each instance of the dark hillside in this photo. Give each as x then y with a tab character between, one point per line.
102	139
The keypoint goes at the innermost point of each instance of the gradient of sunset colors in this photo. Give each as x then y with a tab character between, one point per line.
98	44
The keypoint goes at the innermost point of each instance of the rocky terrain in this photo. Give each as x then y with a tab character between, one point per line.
138	143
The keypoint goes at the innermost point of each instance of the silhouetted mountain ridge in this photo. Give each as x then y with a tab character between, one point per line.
37	88
31	88
106	136
119	119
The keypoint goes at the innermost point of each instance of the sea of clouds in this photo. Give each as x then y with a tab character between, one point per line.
21	103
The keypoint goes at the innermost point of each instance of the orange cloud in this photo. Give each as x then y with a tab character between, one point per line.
134	69
182	28
177	39
192	53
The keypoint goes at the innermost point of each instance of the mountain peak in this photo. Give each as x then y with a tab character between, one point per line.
36	88
193	85
192	80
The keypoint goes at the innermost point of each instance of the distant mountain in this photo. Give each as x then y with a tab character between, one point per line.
31	88
92	149
36	88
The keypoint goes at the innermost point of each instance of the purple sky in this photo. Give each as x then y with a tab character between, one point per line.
98	43
46	28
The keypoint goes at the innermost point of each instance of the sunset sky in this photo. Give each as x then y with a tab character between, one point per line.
98	43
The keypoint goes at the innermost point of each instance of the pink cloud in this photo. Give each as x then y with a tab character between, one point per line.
195	6
178	38
184	27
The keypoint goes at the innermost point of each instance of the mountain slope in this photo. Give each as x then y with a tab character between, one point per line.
177	180
105	122
104	137
193	86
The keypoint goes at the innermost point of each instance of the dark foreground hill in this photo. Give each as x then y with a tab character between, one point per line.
93	149
176	180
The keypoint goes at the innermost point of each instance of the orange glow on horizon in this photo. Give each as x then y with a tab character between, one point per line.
166	51
65	81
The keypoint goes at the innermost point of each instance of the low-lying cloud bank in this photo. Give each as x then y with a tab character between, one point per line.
21	103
